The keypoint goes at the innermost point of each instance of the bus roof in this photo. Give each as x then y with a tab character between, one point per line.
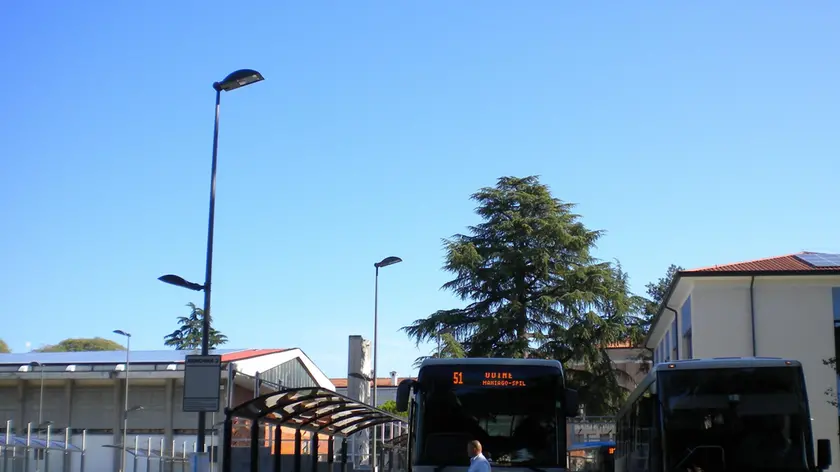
710	363
491	361
726	363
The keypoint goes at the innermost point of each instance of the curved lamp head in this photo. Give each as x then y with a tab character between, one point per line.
122	333
180	282
238	79
388	261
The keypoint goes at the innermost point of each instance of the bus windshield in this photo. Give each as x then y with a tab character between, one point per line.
755	417
512	411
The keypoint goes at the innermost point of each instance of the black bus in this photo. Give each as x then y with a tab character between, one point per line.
725	414
516	408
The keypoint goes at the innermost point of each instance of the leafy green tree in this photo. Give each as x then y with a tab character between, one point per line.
391	407
532	286
188	335
4	348
82	345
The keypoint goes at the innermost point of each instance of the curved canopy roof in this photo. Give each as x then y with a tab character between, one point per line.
314	409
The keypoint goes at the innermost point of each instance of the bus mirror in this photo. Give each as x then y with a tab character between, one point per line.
571	403
403	392
823	454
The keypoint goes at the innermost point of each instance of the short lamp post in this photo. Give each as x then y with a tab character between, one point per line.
125	395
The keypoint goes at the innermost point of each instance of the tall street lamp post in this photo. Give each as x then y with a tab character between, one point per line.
383	263
125	400
233	81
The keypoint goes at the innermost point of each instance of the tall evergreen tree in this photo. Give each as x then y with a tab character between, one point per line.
532	286
450	348
188	335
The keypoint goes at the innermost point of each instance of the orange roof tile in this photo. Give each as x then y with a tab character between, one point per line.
787	263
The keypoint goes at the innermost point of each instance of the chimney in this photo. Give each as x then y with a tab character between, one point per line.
393	377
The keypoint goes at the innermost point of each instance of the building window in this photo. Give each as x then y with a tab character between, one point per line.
667	349
685	323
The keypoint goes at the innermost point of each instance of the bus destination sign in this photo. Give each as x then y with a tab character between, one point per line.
489	379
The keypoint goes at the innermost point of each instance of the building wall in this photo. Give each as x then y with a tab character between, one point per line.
794	318
96	406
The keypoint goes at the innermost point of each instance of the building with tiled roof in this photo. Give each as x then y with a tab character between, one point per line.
785	306
84	395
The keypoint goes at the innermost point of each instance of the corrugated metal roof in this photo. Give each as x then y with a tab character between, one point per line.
103	357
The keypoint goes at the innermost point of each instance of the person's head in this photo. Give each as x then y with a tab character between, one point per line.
473	448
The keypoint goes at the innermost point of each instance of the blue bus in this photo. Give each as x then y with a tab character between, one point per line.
592	456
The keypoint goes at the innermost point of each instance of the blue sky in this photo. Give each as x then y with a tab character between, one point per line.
694	133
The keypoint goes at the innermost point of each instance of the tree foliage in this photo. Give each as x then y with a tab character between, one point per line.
4	348
450	348
188	334
391	407
82	345
533	289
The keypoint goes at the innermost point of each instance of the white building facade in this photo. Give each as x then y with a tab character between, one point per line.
787	306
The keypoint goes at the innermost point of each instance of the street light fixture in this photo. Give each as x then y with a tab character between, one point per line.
383	263
180	282
125	406
233	81
133	409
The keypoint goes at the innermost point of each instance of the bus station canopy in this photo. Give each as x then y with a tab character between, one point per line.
313	409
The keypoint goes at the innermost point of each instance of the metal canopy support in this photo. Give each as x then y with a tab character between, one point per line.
227	450
331	454
297	450
344	455
255	446
278	449
314	452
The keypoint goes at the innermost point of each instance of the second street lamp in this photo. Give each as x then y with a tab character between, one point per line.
233	81
125	406
40	409
383	263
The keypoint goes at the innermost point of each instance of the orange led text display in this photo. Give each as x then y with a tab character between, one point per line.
490	379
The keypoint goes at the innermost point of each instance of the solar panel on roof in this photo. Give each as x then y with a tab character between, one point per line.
818	259
101	357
